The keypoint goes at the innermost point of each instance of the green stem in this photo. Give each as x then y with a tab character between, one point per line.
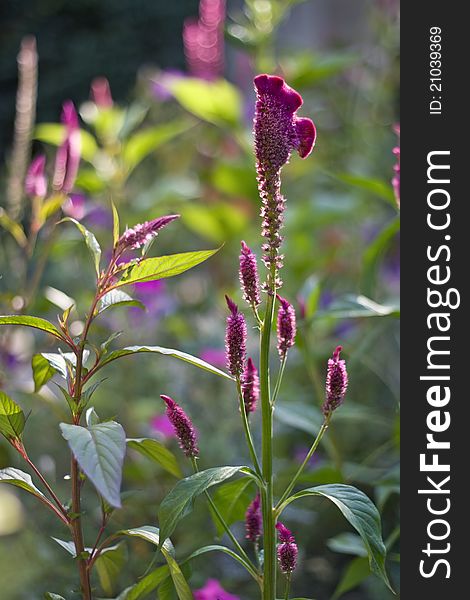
314	446
246	428
279	380
286	595
269	531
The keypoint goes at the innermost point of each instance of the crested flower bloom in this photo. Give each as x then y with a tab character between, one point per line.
68	154
336	383
248	274
253	520
250	386
140	234
287	550
183	427
286	327
235	340
396	168
101	93
277	131
36	183
212	590
203	40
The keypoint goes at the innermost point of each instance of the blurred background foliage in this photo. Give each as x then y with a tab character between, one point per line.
183	144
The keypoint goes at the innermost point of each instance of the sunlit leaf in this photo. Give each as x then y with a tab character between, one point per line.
35	322
21	480
157	452
11	417
109	566
117	298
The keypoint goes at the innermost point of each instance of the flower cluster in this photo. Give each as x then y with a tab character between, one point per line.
253	520
212	590
248	274
141	234
287	550
250	386
396	168
235	340
286	326
336	383
184	429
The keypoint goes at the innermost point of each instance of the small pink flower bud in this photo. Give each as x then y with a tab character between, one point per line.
235	340
101	92
183	427
287	550
36	182
253	520
250	386
142	233
336	383
248	274
286	326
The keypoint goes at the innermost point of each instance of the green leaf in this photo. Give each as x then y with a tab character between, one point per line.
178	503
217	102
355	573
157	452
193	360
90	241
117	298
216	548
147	584
69	546
347	543
35	322
361	513
51	596
149	534
351	306
109	565
11	417
116	228
142	143
160	267
47	364
179	581
14	228
376	187
42	371
54	133
21	480
232	500
100	451
375	252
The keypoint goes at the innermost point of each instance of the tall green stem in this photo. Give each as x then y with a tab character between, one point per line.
246	428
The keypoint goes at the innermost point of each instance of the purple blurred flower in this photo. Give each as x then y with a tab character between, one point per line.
300	452
162	81
68	154
214	356
248	274
235	340
286	326
396	168
142	233
161	424
287	550
75	206
183	427
101	93
36	182
250	386
336	382
253	520
277	131
212	590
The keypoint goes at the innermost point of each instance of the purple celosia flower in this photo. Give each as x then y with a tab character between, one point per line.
203	40
396	168
36	183
68	154
248	274
336	382
212	590
250	386
183	427
235	340
287	550
214	356
277	131
100	93
253	520
286	327
161	424
142	233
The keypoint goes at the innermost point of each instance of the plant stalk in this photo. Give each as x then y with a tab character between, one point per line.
246	428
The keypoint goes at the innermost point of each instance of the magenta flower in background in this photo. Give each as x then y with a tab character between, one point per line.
287	550
396	168
203	40
277	131
212	590
286	326
100	93
68	154
140	234
214	356
183	427
250	386
161	424
336	382
75	206
235	340
253	520
248	274
35	181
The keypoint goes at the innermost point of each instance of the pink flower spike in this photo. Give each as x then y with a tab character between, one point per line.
250	386
336	382
140	234
286	326
253	520
248	274
68	154
101	93
36	182
287	550
183	427
235	340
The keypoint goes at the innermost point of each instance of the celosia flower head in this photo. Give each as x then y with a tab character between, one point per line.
336	382
183	427
250	386
286	326
36	182
140	234
212	590
287	550
101	92
235	340
396	168
68	154
248	274
253	520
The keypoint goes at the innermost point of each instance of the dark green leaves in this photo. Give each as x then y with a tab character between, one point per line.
157	452
178	503
361	514
232	499
35	322
99	450
11	418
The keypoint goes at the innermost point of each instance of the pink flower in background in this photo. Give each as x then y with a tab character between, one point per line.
75	206
253	520
68	154
161	424
183	427
161	83
248	274
101	93
214	356
235	340
286	326
212	590
396	168
336	382
36	182
287	550
250	386
203	40
140	234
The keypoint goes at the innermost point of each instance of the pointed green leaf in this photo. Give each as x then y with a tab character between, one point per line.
232	500
179	581
47	364
157	452
100	451
355	573
193	360
109	565
51	596
116	229
216	548
178	503
42	371
117	298
361	513
90	241
11	417
147	584
69	546
14	228
21	480
160	267
35	322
